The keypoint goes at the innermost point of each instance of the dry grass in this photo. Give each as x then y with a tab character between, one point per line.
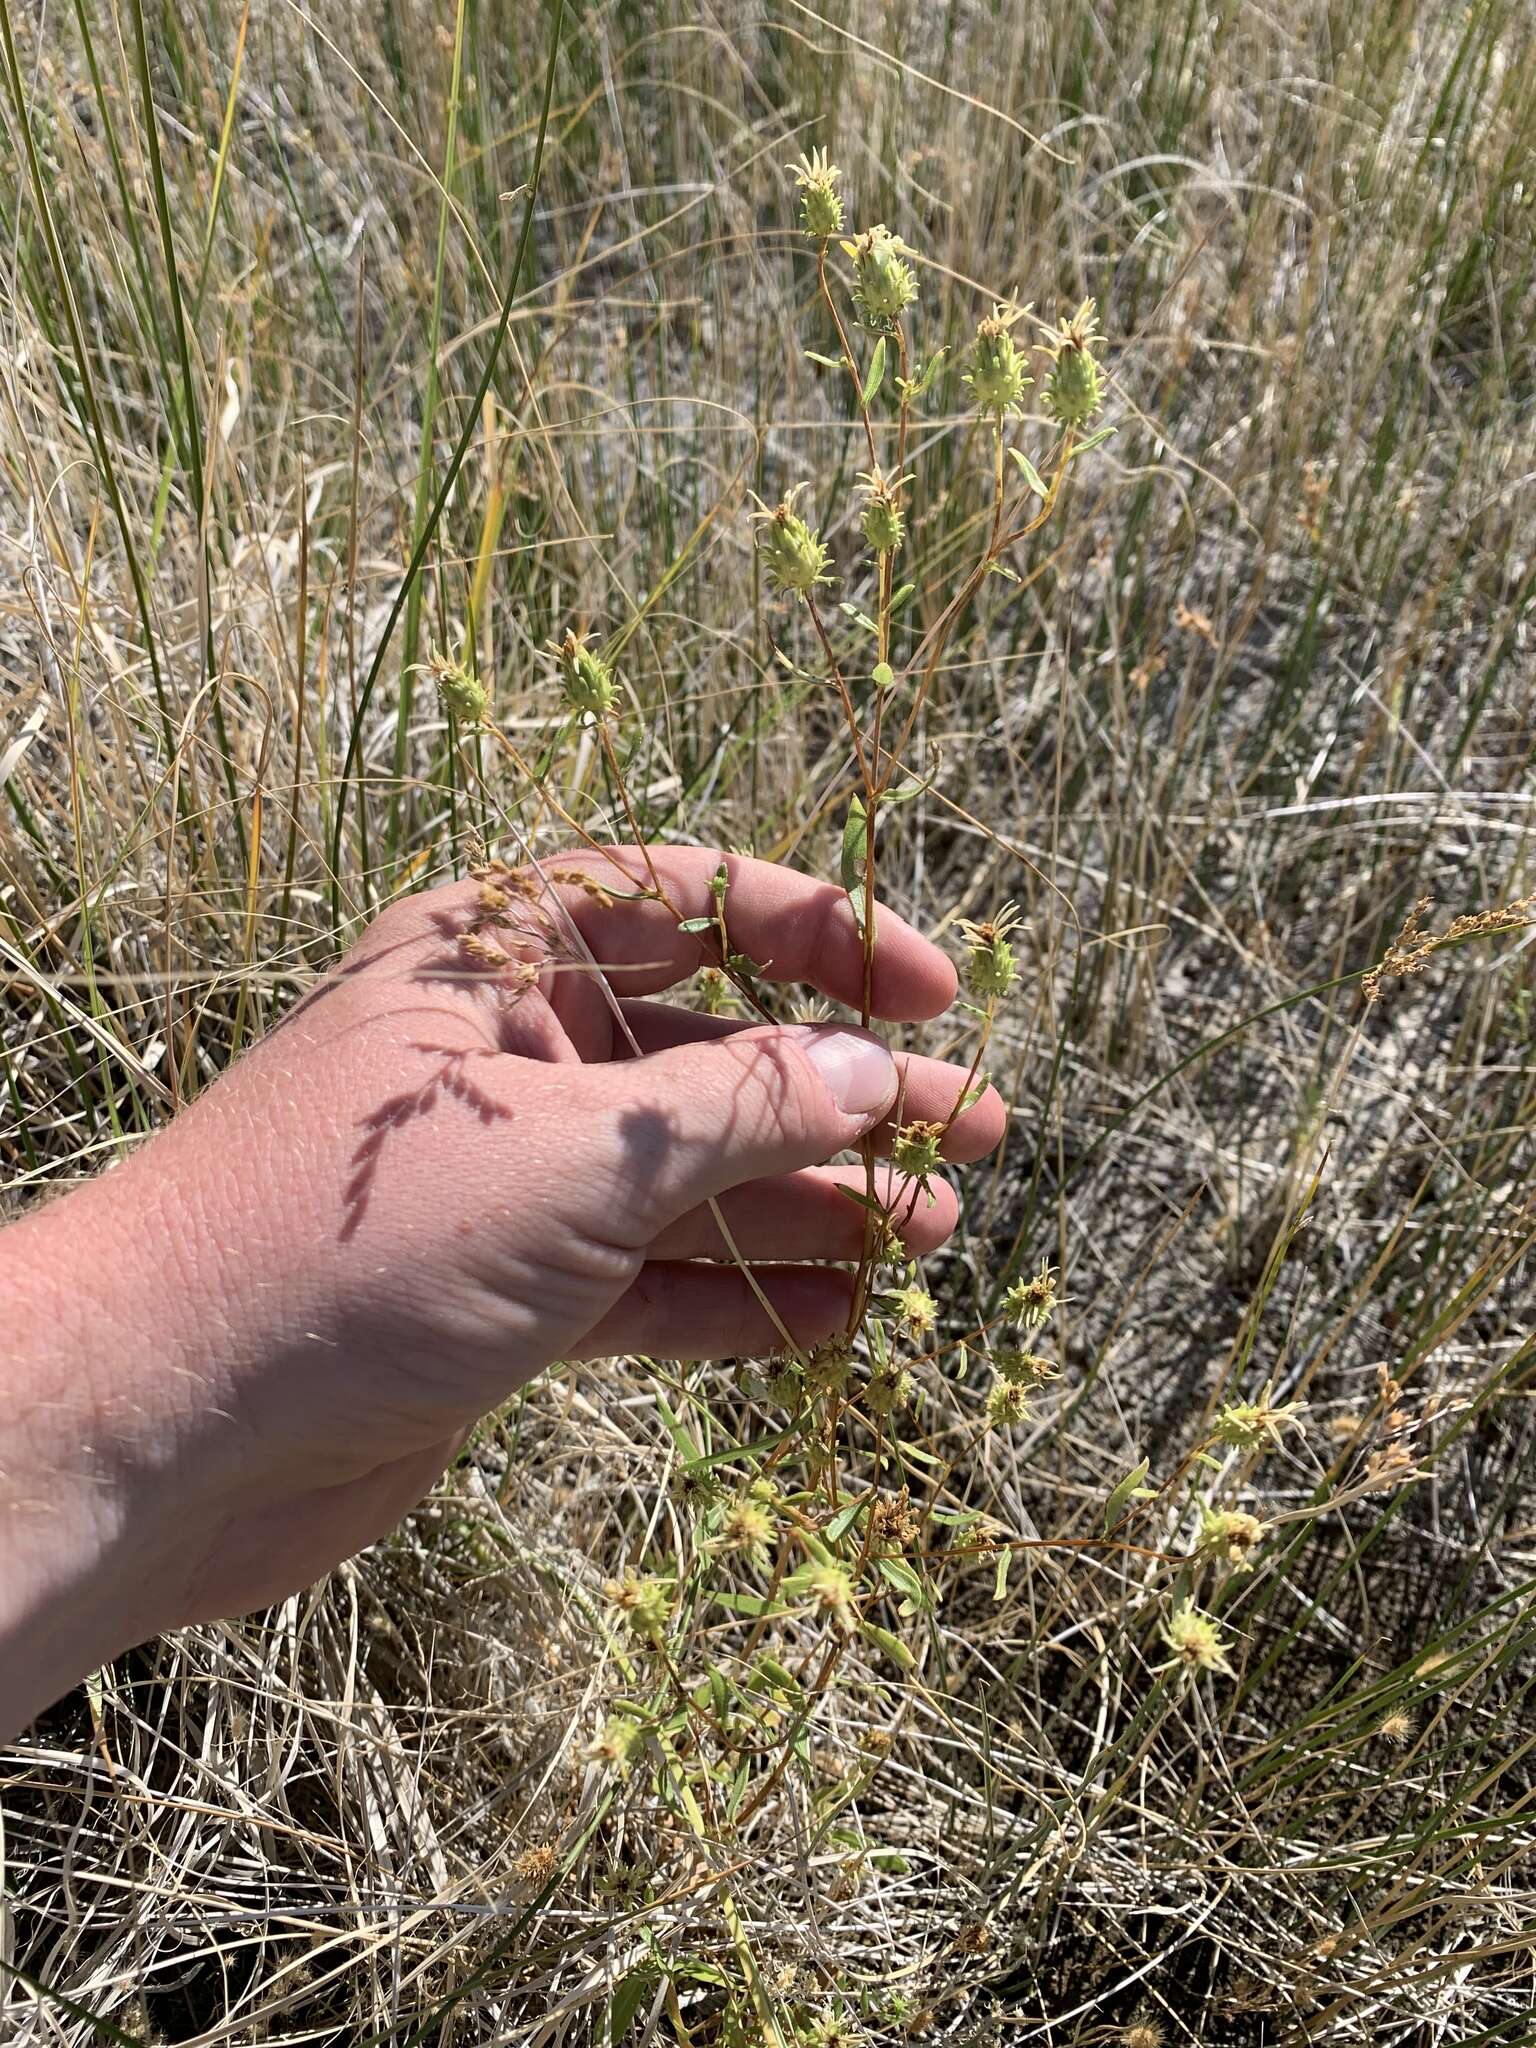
1268	685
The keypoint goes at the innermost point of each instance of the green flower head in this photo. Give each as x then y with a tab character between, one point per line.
884	283
792	553
1074	391
996	375
587	680
821	206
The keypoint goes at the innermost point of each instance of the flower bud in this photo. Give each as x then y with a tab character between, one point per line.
821	206
460	692
792	552
884	285
990	967
1007	1404
586	678
880	518
996	375
1074	391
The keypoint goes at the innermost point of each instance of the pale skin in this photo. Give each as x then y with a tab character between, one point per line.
247	1351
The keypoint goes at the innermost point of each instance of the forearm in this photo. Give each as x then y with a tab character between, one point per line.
83	1535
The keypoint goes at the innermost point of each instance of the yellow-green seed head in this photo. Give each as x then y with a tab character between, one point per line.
1031	1302
1231	1534
821	206
1196	1641
1007	1404
644	1603
1074	391
915	1150
880	518
792	553
830	1588
616	1742
990	967
460	692
748	1529
996	375
915	1309
886	1390
1021	1368
1256	1425
586	678
884	283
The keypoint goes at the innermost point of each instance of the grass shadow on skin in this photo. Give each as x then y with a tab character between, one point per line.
450	1080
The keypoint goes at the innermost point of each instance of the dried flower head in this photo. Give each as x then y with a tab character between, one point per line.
535	1865
459	692
894	1522
1196	1641
1032	1302
821	205
990	968
1396	1728
1231	1534
880	519
1074	390
1142	2034
587	680
792	553
884	283
996	375
1256	1425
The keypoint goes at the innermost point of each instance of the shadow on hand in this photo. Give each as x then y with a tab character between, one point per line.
452	1079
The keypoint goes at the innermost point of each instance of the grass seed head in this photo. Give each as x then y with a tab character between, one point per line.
1032	1302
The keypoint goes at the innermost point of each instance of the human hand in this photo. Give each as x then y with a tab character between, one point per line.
443	1172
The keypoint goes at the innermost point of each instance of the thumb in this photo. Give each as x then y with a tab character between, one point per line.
687	1123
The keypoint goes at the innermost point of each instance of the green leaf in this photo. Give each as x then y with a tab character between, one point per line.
685	1446
1002	569
876	372
1131	1487
828	362
631	1994
1000	1582
882	675
902	598
843	1521
855	856
898	1573
859	618
1030	473
1093	441
696	924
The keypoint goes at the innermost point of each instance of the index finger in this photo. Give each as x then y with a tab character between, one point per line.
793	927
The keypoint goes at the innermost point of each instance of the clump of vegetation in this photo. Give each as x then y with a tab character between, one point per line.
437	442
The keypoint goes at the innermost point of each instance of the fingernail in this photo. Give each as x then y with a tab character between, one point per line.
857	1068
